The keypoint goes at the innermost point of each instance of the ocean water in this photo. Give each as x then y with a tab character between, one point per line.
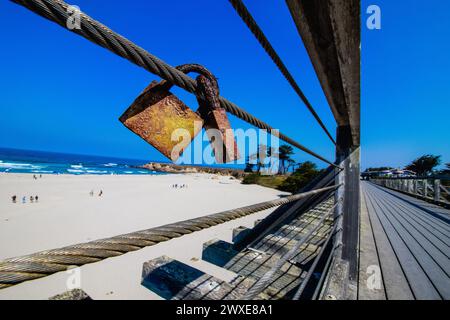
39	162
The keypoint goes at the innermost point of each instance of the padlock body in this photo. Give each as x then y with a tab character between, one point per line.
222	139
157	117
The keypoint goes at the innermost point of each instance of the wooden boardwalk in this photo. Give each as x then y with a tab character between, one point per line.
404	247
172	279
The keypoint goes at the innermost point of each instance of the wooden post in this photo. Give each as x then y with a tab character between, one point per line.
425	187
437	190
348	157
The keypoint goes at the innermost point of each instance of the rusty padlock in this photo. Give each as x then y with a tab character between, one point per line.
156	114
216	123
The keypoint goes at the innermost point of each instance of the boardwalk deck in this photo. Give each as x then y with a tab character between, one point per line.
406	242
174	280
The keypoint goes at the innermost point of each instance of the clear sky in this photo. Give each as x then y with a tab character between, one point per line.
62	93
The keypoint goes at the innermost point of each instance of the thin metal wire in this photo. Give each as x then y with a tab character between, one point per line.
313	266
264	281
246	16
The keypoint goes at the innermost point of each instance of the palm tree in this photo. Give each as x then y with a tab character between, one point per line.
285	152
291	164
272	153
249	165
260	156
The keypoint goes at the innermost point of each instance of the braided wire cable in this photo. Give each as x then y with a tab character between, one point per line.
246	16
16	270
313	266
58	12
266	279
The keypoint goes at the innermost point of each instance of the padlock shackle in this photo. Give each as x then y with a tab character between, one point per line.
193	67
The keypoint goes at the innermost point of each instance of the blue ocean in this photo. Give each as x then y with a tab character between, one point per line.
40	162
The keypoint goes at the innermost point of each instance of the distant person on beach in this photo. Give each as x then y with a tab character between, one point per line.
91	193
40	176
36	198
24	199
101	193
34	177
31	199
14	198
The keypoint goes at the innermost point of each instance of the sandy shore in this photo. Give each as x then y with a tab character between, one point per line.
66	214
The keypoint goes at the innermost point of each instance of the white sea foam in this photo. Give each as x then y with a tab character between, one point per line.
110	164
96	171
12	165
75	170
76	166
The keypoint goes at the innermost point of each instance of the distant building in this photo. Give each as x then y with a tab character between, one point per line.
391	173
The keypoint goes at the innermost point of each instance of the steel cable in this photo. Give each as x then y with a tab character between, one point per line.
44	263
57	11
246	16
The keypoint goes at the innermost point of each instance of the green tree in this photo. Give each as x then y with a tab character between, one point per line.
447	169
304	174
285	152
260	156
249	165
291	164
424	165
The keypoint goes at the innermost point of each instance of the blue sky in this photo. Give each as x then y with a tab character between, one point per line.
62	93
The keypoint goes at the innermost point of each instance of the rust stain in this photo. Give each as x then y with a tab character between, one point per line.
156	114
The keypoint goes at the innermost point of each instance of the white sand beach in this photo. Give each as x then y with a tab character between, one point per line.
66	214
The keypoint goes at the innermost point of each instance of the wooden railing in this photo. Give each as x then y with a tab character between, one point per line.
435	189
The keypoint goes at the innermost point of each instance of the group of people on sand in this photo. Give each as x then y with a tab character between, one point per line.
99	194
24	199
35	176
179	186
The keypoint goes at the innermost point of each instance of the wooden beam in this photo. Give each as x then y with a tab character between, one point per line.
330	30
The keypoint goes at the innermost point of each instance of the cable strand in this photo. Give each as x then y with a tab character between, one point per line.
246	16
94	31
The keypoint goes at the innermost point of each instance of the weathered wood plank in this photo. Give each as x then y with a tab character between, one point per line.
395	282
438	249
421	251
172	279
368	258
433	234
421	214
418	280
434	210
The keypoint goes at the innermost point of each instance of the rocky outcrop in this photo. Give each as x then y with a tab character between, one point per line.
174	168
